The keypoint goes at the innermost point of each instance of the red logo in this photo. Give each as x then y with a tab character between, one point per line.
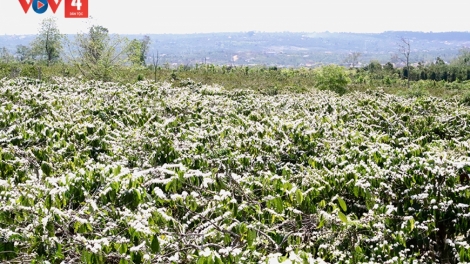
39	4
73	8
76	8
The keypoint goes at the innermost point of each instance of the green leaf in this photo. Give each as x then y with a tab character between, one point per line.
117	170
279	207
193	206
76	226
251	236
136	257
218	261
201	260
299	196
169	186
86	256
7	250
343	217
358	249
356	191
411	224
58	253
342	204
155	245
243	229
46	168
123	249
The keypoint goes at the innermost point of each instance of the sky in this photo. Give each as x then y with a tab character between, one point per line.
206	16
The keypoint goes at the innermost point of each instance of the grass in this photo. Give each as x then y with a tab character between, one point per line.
269	80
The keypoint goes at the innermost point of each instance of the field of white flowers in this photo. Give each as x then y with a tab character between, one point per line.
95	172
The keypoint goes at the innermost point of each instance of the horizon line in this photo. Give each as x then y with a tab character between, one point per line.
256	31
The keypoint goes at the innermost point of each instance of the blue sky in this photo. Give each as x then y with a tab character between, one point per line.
197	16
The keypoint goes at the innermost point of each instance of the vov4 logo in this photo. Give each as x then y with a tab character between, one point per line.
73	8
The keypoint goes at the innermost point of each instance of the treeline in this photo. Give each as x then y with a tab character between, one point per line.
95	54
99	55
456	71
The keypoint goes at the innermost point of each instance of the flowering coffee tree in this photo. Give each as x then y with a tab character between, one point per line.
96	172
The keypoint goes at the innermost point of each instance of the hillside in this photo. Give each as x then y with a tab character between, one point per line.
291	49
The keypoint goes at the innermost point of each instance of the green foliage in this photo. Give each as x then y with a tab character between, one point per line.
5	55
333	78
342	204
374	67
418	89
99	55
343	217
48	43
466	99
255	78
133	52
169	173
7	250
24	53
137	51
353	59
463	58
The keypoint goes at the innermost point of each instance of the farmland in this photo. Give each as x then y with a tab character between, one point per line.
101	172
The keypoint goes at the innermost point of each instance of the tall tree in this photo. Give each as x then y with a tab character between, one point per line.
137	51
353	58
463	59
48	43
405	50
5	55
375	69
23	53
155	65
133	51
145	46
94	45
97	53
439	61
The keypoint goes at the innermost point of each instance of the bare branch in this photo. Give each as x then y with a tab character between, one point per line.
155	65
406	50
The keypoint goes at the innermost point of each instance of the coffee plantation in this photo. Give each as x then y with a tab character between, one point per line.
95	172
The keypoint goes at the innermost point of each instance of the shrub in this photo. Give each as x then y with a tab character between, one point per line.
466	99
414	92
333	78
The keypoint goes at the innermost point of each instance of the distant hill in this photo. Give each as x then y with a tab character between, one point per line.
291	49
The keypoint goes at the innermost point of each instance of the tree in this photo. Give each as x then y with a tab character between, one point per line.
405	50
374	66
333	78
353	58
439	61
463	59
93	45
137	51
155	65
5	55
133	52
23	53
145	45
97	53
48	43
375	69
388	67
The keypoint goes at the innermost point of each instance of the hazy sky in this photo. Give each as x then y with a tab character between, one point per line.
196	16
